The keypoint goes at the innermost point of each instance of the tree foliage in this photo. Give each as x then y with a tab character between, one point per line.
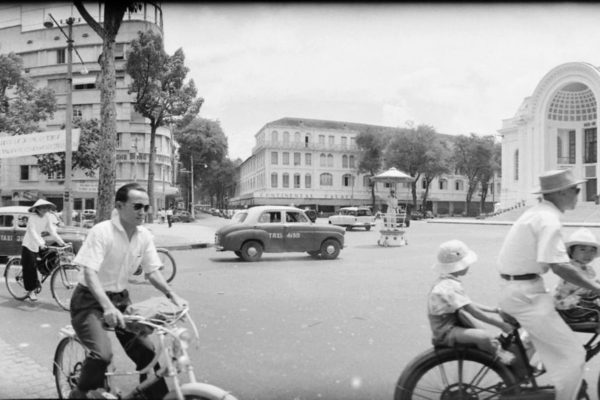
85	158
22	105
371	143
158	81
107	29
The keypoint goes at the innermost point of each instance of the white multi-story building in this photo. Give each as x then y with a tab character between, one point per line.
314	163
555	127
44	54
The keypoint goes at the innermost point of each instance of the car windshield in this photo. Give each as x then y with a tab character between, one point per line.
347	212
239	217
364	213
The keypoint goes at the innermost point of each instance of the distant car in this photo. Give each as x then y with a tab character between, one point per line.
182	216
278	229
88	214
13	223
353	217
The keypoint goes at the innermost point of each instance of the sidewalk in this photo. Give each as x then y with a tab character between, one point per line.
23	378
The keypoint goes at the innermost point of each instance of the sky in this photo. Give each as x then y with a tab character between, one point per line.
459	68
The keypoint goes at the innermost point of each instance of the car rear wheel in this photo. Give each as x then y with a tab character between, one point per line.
368	227
252	251
330	249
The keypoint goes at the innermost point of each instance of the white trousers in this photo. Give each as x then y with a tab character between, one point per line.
558	347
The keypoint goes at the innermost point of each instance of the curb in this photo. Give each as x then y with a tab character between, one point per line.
484	222
186	246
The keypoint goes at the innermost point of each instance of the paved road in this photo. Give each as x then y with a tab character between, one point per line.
289	327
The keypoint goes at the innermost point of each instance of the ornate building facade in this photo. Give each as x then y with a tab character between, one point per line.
43	51
554	128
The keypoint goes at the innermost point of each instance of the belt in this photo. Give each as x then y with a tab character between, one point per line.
524	277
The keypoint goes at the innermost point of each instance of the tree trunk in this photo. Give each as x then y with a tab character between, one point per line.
108	140
153	127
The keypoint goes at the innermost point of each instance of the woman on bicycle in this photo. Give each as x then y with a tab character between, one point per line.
33	242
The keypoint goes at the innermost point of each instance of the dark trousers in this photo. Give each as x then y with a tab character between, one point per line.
86	318
30	274
170	220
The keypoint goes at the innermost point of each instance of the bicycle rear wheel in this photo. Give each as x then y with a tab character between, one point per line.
68	361
13	277
63	281
450	373
169	266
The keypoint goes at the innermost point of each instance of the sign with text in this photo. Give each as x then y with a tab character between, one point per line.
37	143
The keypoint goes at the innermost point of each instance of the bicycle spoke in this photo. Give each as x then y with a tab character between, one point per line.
63	282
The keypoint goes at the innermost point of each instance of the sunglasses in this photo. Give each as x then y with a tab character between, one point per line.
139	206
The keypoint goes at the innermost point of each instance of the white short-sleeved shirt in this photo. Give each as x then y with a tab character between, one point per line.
108	251
33	239
533	242
446	297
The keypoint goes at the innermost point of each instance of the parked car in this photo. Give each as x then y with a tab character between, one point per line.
353	217
182	216
278	229
88	214
13	223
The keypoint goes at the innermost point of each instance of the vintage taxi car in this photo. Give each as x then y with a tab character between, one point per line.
353	217
278	229
13	223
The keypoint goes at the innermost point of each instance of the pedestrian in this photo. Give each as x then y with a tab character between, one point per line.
170	216
392	210
33	243
532	246
448	305
574	303
111	252
161	215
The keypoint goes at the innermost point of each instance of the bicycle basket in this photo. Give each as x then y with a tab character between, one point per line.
47	262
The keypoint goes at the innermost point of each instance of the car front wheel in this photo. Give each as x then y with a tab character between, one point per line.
252	251
330	249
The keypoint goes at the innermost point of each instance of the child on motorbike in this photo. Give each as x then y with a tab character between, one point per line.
448	303
574	303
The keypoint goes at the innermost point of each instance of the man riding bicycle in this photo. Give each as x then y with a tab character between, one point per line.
534	245
112	251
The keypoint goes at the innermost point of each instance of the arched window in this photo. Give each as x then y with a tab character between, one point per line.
330	160
326	179
516	164
322	160
344	161
443	184
459	185
347	180
423	183
285	180
286	138
297	137
306	140
307	181
297	181
274	180
352	162
274	137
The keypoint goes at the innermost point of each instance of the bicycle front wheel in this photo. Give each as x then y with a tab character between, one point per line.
13	277
68	361
461	374
63	282
169	267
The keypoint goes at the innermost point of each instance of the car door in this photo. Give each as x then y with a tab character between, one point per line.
8	244
270	221
298	232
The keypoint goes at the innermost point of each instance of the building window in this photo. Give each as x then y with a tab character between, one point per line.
559	149
297	158
344	161
322	140
459	185
29	173
443	184
286	138
516	165
84	86
24	173
423	183
308	159
352	162
297	137
366	181
322	160
77	111
571	147
285	158
60	56
344	142
347	180
119	51
331	140
590	141
307	181
326	179
307	140
274	137
274	180
274	158
297	181
285	180
330	160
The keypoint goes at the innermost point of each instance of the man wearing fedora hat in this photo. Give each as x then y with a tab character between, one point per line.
533	246
33	243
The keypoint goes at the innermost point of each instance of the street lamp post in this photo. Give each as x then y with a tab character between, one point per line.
67	198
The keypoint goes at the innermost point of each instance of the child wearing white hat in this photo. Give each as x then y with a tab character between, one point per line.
447	300
574	303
